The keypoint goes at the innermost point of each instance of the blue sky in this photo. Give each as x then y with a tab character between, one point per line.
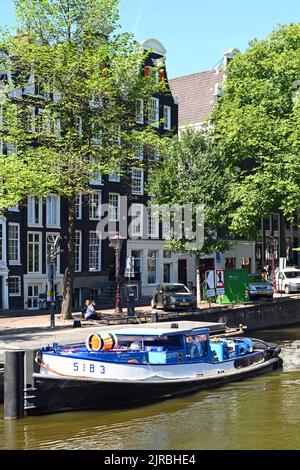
197	32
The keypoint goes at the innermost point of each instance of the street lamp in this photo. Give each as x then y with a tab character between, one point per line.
51	268
116	243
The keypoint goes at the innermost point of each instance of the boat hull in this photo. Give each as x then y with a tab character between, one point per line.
58	394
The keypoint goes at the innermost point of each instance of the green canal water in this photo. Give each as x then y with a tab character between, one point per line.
257	413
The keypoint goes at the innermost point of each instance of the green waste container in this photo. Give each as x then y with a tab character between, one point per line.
236	287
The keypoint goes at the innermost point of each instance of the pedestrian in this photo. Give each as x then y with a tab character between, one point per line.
84	308
90	313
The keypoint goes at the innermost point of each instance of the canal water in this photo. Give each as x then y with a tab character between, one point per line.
258	413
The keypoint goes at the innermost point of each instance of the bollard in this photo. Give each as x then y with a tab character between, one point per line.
14	385
77	323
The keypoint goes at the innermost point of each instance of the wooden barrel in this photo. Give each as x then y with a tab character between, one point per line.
101	342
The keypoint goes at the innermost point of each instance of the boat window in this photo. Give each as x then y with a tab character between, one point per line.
196	345
167	342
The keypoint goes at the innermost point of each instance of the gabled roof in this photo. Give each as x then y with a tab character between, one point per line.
197	95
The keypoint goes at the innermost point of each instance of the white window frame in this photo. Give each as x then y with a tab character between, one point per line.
19	292
95	212
167	118
31	200
115	177
153	115
139	112
95	234
78	207
14	261
139	152
113	210
134	178
99	181
40	266
153	223
78	251
58	256
49	211
136	212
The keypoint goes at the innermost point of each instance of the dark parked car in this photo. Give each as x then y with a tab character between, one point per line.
173	297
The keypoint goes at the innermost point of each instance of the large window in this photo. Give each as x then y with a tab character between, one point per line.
137	257
78	249
95	206
115	177
152	267
14	243
34	252
34	210
94	252
53	211
114	207
153	223
154	112
78	207
137	181
167	118
51	238
140	111
136	226
96	177
14	286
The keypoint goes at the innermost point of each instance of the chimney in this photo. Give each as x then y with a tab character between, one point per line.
229	55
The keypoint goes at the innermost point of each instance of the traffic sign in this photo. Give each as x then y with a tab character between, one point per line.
210	279
220	283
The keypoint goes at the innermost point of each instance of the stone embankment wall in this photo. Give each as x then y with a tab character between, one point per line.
272	314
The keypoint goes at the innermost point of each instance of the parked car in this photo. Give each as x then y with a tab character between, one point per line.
288	280
260	288
173	297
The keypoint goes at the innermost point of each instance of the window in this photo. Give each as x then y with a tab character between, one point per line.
114	207
94	252
33	297
95	206
246	263
50	240
78	241
136	226
139	155
14	243
153	223
34	252
34	210
78	207
115	177
167	118
151	153
10	148
96	177
137	181
151	267
140	111
154	112
230	263
14	286
1	242
53	211
57	127
137	256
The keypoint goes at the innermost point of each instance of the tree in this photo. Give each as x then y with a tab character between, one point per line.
194	173
68	104
256	128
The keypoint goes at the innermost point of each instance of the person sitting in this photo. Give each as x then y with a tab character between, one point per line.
90	313
84	308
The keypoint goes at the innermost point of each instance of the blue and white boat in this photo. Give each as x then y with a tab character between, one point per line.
134	365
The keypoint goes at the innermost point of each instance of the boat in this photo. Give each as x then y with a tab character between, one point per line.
125	367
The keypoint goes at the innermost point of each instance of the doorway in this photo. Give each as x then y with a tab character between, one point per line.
167	273
182	271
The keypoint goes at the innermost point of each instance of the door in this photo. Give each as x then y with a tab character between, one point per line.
33	297
167	272
182	271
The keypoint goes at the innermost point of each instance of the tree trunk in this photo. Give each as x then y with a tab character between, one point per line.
198	281
66	308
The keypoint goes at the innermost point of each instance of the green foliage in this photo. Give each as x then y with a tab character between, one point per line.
256	128
194	173
70	48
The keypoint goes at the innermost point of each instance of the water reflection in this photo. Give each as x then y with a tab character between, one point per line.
259	413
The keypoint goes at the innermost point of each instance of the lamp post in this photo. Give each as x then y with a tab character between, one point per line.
51	267
116	243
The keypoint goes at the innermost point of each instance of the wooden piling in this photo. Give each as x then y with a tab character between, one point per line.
14	385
